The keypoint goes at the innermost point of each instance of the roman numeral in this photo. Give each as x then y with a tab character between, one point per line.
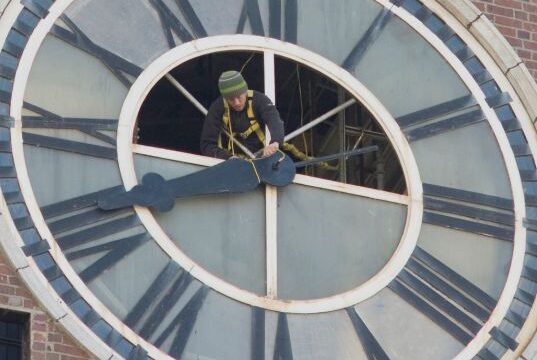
370	36
88	126
65	217
371	346
283	349
290	21
424	123
171	24
257	341
165	292
250	11
468	211
445	297
119	66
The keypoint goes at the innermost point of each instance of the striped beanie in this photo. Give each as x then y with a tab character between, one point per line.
231	83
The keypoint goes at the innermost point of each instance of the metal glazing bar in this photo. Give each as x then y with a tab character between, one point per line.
319	120
203	110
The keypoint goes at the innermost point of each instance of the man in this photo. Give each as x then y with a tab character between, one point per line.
243	114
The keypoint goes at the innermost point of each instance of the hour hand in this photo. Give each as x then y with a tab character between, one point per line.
231	176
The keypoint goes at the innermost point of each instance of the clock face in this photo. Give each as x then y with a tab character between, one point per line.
344	262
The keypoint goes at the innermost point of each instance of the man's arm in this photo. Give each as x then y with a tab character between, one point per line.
211	131
267	114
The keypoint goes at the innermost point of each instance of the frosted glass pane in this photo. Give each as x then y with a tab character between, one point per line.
225	234
459	249
324	336
136	35
222	330
455	159
122	285
226	19
332	28
330	242
405	72
404	332
71	83
58	175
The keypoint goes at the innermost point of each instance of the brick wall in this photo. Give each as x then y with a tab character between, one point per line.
47	340
517	21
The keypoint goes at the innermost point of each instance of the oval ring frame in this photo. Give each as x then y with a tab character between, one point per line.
173	58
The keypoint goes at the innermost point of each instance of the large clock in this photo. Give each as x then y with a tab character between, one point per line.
343	263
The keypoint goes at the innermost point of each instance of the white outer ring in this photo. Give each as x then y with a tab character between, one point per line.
171	59
519	247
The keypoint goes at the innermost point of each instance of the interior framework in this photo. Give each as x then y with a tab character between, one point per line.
170	120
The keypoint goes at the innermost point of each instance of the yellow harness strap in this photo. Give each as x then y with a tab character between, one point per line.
254	125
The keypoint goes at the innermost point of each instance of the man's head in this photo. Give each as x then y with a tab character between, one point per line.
233	88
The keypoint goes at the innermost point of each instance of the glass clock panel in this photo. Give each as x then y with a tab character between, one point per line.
322	255
403	332
461	166
227	20
71	135
418	79
58	175
71	83
121	286
136	35
225	234
459	249
324	336
223	330
332	29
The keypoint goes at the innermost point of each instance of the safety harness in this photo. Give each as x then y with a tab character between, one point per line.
254	125
256	128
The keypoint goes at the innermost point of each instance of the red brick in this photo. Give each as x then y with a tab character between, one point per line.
514	42
69	357
507	31
38	327
55	337
498	10
29	304
8	290
530	8
509	3
39	337
40	317
521	15
52	356
69	350
507	21
38	355
13	280
38	346
531	45
523	34
524	54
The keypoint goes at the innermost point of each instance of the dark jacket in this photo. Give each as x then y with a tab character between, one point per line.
265	113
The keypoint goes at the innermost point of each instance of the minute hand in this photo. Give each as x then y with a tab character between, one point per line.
231	176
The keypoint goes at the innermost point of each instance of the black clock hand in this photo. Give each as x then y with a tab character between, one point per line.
345	154
231	176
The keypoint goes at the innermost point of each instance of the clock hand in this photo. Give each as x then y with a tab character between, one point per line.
231	176
345	154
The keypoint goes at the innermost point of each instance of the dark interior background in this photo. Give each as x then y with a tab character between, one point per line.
167	119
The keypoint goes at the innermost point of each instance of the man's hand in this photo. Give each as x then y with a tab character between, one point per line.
270	149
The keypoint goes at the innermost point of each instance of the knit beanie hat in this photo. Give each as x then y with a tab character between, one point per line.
231	83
